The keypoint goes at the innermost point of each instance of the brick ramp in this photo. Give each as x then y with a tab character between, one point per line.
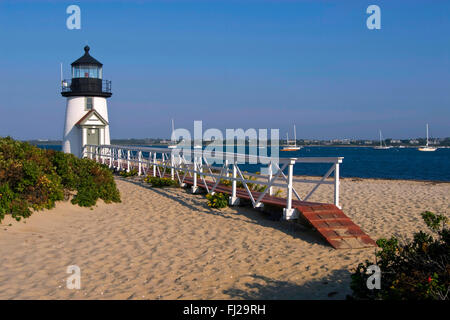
333	225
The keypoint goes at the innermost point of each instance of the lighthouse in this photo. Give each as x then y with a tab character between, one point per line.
86	109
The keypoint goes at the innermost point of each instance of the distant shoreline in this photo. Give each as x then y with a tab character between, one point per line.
55	143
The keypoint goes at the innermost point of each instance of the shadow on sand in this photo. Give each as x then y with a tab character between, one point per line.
334	286
197	203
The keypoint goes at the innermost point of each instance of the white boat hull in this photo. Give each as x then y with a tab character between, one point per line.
427	149
291	149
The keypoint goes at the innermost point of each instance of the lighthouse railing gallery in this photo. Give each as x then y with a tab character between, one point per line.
195	164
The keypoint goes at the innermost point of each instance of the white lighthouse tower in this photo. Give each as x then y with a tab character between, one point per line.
87	110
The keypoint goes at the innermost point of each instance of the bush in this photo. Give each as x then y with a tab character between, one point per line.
240	184
125	174
416	270
32	178
161	182
217	200
251	186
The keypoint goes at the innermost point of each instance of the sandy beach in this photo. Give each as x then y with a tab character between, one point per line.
168	244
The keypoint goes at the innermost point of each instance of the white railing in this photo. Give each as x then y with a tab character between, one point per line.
194	163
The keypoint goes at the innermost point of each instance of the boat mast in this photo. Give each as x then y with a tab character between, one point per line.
427	134
295	137
381	145
287	138
61	70
172	135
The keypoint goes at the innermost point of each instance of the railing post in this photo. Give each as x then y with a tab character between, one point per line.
128	160
226	168
181	174
270	177
154	164
172	164
110	157
119	156
234	200
140	164
336	185
194	184
288	212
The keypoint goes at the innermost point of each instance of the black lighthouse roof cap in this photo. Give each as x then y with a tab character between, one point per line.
86	59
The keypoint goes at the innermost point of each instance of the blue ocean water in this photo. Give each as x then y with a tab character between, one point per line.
366	162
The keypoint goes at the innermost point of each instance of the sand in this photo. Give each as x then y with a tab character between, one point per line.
168	244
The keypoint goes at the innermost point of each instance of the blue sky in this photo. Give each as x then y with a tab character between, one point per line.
233	64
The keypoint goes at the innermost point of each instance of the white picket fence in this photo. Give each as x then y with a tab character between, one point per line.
195	164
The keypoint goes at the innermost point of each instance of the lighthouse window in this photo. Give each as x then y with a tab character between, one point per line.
87	72
89	103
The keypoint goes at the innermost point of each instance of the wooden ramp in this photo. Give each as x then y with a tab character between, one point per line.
337	229
330	221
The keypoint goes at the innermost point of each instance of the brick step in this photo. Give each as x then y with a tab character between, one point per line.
347	224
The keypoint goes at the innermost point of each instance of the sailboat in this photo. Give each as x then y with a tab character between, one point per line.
381	146
173	143
289	147
427	148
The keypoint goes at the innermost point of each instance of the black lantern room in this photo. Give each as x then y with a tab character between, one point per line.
87	80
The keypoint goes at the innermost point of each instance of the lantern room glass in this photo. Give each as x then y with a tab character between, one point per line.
87	71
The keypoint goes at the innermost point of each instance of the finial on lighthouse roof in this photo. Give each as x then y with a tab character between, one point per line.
87	59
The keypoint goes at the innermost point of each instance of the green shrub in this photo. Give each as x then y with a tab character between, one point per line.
251	186
226	182
239	184
125	174
32	178
161	182
277	193
217	200
97	182
416	270
10	204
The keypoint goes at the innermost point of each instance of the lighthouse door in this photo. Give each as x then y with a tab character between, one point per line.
93	136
